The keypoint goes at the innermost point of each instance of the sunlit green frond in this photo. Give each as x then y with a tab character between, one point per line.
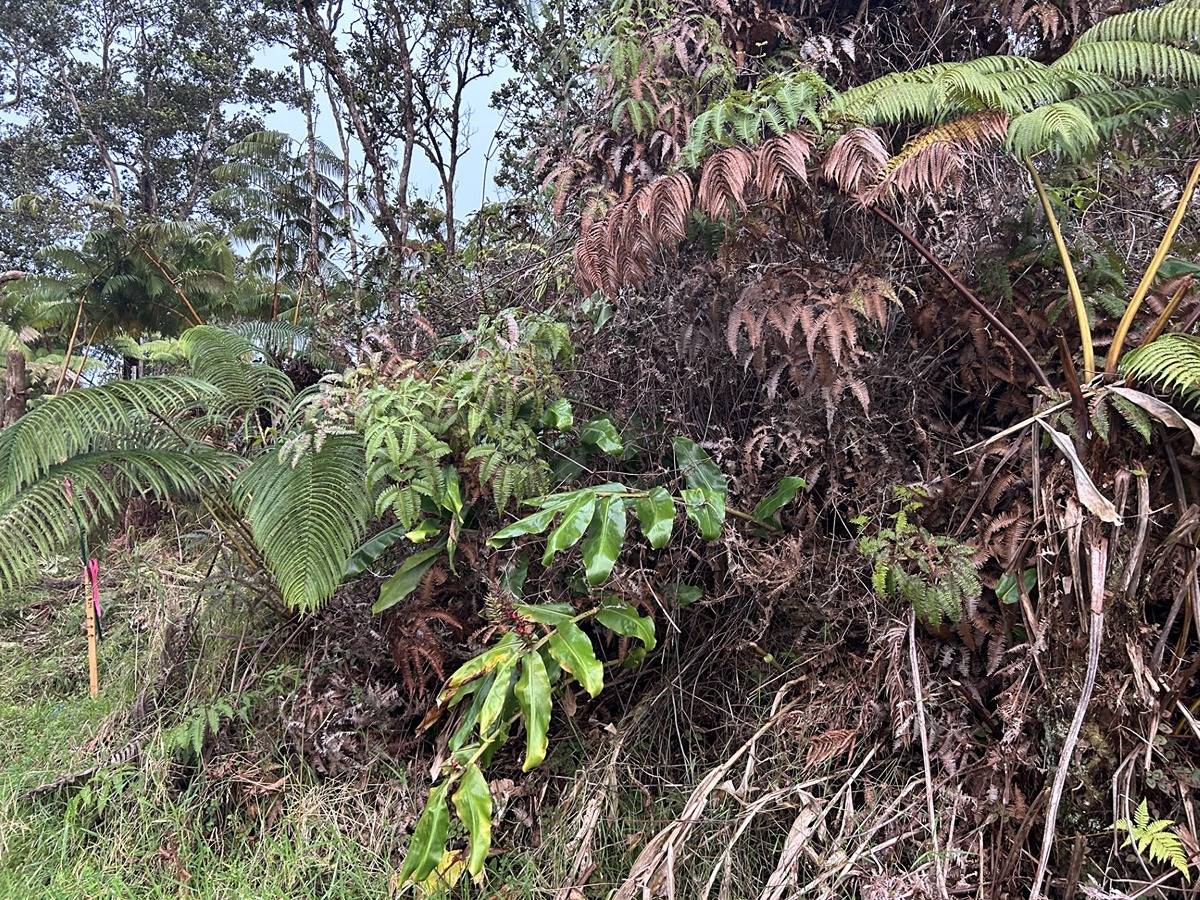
275	338
40	520
61	427
226	360
1061	128
1133	61
1172	362
890	100
1172	23
307	518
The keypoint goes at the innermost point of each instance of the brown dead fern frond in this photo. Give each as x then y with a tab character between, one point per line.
781	163
724	181
937	158
855	160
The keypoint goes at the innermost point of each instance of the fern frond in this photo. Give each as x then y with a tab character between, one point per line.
1172	23
1129	61
937	157
274	337
40	521
62	427
225	360
307	518
1172	362
1060	127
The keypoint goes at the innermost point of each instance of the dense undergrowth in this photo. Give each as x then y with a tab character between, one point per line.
791	491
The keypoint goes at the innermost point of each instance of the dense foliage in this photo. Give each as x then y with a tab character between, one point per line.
759	499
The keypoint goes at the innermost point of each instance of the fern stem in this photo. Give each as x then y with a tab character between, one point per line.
1169	310
966	294
1143	288
1081	316
62	376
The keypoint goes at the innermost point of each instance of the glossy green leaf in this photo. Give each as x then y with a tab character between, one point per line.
371	550
473	802
601	433
787	489
697	466
547	613
706	509
656	515
407	577
497	696
619	616
531	524
573	650
470	716
428	841
452	497
533	699
558	415
575	519
605	536
477	666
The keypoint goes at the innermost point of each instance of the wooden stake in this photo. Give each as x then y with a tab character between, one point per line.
93	662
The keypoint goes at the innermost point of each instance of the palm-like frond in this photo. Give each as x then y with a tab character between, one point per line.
225	359
1172	362
1062	127
275	337
1172	23
307	518
62	427
1129	61
41	520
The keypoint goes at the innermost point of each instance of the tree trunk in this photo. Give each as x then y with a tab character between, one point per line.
16	388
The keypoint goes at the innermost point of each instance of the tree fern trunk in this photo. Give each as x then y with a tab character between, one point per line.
16	388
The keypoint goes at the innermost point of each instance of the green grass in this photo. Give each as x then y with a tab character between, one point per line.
253	824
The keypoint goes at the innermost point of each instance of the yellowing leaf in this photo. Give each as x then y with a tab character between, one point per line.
504	649
473	802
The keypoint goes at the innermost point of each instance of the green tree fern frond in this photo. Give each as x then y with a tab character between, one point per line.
307	518
40	521
1158	839
62	427
1062	127
1132	61
276	338
1172	23
1172	362
226	360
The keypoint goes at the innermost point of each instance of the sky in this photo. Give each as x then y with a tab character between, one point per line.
470	189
